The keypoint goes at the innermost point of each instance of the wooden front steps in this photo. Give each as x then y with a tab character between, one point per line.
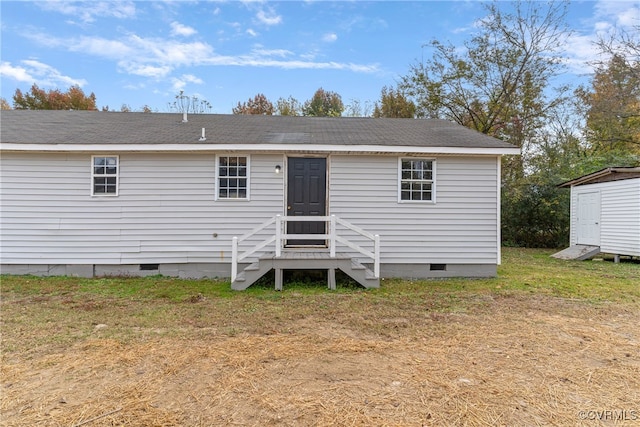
305	259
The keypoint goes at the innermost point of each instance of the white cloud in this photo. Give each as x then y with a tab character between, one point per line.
330	37
608	18
259	51
179	84
88	11
251	32
268	17
178	29
32	71
623	14
159	58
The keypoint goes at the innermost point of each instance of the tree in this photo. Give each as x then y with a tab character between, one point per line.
4	105
259	105
355	108
393	103
500	84
288	107
189	104
323	104
612	101
39	99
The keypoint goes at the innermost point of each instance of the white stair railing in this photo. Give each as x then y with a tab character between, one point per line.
281	235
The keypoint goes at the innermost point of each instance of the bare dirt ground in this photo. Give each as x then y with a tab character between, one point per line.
503	360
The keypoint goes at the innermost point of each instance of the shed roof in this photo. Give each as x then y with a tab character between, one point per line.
604	175
82	128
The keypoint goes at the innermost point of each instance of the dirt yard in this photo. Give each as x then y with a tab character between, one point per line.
512	359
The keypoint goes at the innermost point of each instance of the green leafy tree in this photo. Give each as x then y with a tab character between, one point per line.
258	105
323	104
288	107
613	106
39	99
500	83
393	103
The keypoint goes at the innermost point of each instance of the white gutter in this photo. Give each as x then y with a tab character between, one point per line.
159	148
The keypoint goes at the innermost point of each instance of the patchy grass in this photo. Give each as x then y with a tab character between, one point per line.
535	345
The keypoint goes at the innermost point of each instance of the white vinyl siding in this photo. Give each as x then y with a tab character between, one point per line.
460	228
166	211
619	215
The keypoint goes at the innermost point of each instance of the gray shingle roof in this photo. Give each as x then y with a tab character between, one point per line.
93	127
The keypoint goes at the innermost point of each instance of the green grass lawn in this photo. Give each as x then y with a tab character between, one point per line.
522	270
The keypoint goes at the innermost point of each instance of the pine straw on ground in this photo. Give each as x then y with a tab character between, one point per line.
521	360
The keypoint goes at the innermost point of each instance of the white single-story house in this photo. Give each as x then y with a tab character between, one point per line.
605	211
100	193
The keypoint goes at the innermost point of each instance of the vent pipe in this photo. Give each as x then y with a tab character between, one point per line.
184	117
202	138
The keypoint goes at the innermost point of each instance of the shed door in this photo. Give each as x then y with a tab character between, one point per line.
306	196
588	219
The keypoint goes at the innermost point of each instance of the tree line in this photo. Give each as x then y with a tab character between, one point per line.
504	81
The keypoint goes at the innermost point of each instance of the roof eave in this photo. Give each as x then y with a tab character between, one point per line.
585	179
212	147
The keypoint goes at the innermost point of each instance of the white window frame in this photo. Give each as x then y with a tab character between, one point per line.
217	183
94	175
432	180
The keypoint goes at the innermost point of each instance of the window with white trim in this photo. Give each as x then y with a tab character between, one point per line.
416	180
233	177
104	175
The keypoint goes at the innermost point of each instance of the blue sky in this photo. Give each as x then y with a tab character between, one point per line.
145	52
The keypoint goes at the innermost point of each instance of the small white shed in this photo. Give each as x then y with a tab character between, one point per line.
605	210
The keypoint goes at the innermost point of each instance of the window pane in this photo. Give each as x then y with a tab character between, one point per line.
98	170
223	161
224	193
242	194
242	171
242	161
111	189
111	161
111	170
233	171
224	172
233	161
405	195
415	195
98	161
242	183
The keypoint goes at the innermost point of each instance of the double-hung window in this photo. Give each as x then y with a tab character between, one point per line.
416	180
233	177
104	175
